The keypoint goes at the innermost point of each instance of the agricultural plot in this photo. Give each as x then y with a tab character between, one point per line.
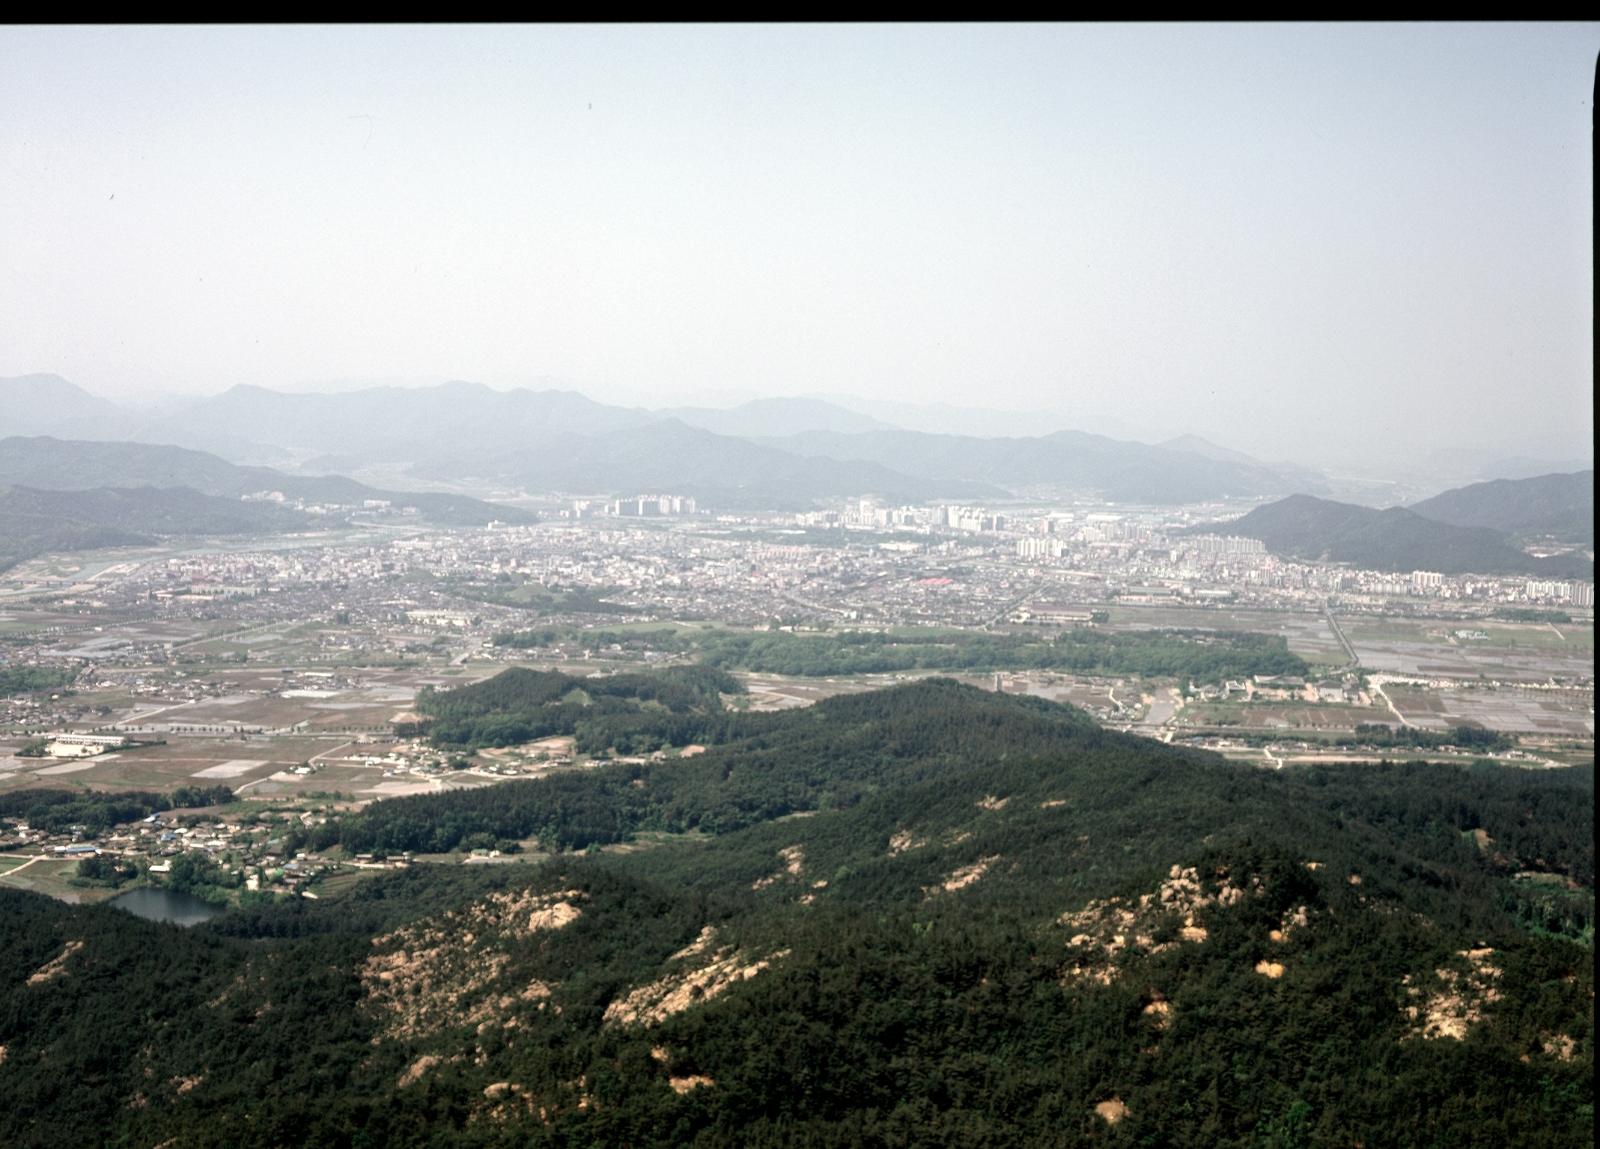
778	692
1518	652
1286	716
1307	633
181	762
53	877
270	704
1094	694
1549	713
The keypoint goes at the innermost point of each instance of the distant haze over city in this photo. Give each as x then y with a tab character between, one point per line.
1337	244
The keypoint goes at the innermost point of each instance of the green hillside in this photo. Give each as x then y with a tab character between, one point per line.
73	465
922	916
1395	539
1559	505
34	522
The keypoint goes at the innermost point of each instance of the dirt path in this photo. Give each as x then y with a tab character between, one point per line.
237	790
31	860
1377	688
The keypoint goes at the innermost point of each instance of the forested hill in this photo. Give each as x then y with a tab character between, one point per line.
675	705
1194	655
1559	505
73	465
923	916
1395	539
671	455
36	521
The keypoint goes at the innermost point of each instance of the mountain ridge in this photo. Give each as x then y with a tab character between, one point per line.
79	465
1559	504
1122	470
456	425
1395	539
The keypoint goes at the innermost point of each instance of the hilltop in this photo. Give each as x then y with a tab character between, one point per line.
1124	471
69	465
34	522
719	469
925	915
775	416
1396	539
1558	505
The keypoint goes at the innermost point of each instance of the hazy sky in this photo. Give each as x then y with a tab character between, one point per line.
1288	239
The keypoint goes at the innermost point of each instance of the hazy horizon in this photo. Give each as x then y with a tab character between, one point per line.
1294	240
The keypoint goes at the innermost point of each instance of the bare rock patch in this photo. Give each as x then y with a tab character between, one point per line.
56	966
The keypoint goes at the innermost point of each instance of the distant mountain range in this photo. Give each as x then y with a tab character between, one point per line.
1397	539
40	404
35	521
671	456
1457	466
71	465
58	495
765	418
936	418
1556	505
1119	470
774	452
380	422
1305	480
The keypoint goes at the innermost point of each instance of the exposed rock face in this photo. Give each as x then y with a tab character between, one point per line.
794	864
1159	1011
1111	1110
903	840
56	966
1454	999
431	975
1104	929
415	1071
961	878
688	985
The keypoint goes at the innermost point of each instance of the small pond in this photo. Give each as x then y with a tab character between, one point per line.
165	906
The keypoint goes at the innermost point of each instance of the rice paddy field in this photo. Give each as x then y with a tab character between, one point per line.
1561	714
1307	632
1478	649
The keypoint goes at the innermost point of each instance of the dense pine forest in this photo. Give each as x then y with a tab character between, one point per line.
522	705
922	916
1196	655
57	811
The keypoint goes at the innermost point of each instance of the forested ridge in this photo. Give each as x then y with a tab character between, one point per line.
1196	655
922	916
522	705
57	811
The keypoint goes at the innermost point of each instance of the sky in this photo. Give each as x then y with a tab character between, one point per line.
1297	240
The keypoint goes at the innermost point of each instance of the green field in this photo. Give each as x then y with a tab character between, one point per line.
53	878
